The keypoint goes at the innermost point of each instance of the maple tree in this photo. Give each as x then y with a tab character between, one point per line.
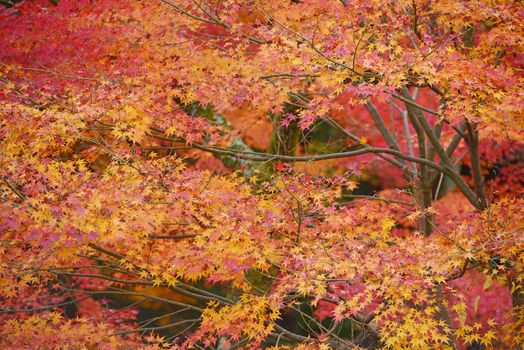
189	174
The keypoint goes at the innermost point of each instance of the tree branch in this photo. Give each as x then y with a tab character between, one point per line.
256	156
473	147
425	184
457	179
358	140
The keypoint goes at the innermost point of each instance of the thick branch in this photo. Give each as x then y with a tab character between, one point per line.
358	140
478	180
457	179
256	156
456	140
431	150
381	126
425	184
453	144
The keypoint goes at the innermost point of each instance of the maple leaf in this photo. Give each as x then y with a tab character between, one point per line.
187	157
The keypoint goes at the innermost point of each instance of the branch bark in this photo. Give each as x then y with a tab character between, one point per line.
457	179
473	148
425	184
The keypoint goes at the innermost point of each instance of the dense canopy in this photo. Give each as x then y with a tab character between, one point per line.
315	174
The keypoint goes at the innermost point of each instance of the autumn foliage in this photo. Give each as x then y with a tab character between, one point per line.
316	174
